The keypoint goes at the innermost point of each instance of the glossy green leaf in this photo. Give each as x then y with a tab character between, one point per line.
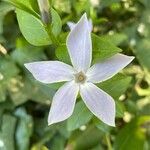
102	48
34	30
116	85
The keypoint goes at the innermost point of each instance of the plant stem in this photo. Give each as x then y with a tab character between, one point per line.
108	142
45	10
51	35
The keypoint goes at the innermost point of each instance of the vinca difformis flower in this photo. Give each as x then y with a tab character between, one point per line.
72	25
81	78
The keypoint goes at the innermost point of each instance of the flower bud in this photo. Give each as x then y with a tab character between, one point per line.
45	11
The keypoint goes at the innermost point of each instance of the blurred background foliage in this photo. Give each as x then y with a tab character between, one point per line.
25	103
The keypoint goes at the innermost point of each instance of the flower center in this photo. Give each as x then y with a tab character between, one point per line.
80	77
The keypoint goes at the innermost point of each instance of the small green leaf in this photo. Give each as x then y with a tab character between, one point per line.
116	38
80	116
102	48
62	54
101	126
116	85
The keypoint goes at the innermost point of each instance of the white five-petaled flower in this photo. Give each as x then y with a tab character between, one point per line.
81	78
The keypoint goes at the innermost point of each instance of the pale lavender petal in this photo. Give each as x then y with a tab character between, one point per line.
105	70
99	103
79	45
90	25
50	71
63	103
72	25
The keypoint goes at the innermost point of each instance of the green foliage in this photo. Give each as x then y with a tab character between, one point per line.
34	30
132	136
103	48
118	26
80	116
7	133
24	129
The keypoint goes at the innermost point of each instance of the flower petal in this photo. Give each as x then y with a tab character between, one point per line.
63	102
50	71
108	68
72	25
79	45
100	103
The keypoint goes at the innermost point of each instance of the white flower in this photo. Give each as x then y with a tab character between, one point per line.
72	25
81	78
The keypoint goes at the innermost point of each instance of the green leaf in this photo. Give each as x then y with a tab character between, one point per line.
23	5
7	133
4	9
120	109
58	143
116	38
133	135
87	139
34	30
24	129
116	85
80	116
102	48
62	54
101	126
56	23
